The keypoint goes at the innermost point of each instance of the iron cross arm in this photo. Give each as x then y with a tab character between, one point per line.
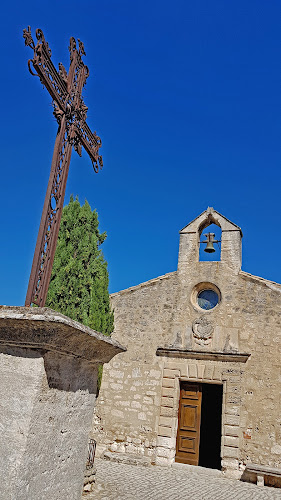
91	143
55	83
70	112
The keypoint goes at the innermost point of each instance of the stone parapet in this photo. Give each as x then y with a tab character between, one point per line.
43	328
48	385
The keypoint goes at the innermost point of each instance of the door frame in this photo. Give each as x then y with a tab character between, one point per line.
229	374
192	457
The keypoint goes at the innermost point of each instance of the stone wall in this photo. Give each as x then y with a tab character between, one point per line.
129	423
161	313
46	414
48	385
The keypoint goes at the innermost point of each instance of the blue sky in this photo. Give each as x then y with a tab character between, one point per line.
186	98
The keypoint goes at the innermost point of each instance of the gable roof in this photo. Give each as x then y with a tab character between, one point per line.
271	284
213	216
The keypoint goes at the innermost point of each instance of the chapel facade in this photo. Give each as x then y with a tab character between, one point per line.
200	380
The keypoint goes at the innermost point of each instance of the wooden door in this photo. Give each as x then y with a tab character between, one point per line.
188	437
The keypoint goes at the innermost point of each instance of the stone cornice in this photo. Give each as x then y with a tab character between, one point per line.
257	279
41	328
148	283
203	355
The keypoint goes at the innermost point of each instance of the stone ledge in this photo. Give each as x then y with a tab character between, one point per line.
44	329
203	355
263	469
126	458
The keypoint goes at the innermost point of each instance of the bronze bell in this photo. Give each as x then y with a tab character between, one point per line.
210	242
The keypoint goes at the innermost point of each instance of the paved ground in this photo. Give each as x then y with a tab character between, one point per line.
130	482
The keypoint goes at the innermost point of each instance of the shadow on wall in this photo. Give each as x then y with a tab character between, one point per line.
64	373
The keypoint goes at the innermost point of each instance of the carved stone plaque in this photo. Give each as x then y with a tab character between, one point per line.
202	330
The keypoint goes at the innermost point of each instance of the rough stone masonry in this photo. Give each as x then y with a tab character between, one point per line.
172	339
48	385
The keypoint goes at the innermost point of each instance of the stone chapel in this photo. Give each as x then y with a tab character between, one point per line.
200	380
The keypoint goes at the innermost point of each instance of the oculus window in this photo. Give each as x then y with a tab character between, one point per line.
207	299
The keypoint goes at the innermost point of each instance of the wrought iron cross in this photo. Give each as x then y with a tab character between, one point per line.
70	112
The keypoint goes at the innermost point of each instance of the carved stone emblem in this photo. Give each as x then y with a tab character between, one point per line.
202	330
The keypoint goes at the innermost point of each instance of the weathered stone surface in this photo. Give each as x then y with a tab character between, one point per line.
43	328
47	393
243	354
129	459
89	478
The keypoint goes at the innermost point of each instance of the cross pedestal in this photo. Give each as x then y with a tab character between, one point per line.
48	385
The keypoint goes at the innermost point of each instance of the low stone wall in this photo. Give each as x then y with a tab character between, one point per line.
48	385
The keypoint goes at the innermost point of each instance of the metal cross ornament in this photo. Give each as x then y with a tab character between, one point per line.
70	112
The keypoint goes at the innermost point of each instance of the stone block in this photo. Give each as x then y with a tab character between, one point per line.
136	440
148	401
165	442
192	370
162	461
232	410
208	373
231	430
167	391
200	371
231	419
130	448
164	452
168	382
164	431
173	365
166	421
233	399
171	373
135	404
231	441
166	411
230	463
165	401
230	452
184	370
217	375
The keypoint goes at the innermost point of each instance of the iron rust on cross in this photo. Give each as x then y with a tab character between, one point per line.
70	112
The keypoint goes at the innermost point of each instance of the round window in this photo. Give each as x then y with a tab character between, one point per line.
207	299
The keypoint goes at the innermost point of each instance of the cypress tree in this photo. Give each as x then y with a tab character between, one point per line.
79	281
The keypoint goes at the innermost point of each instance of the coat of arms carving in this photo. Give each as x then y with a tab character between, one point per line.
202	330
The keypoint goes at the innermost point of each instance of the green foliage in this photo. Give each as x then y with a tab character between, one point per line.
79	281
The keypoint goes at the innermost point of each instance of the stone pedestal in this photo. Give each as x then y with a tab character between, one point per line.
48	383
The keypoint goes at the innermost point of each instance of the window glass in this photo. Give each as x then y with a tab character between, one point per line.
207	299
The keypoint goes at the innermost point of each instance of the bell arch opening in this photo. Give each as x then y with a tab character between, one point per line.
210	242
